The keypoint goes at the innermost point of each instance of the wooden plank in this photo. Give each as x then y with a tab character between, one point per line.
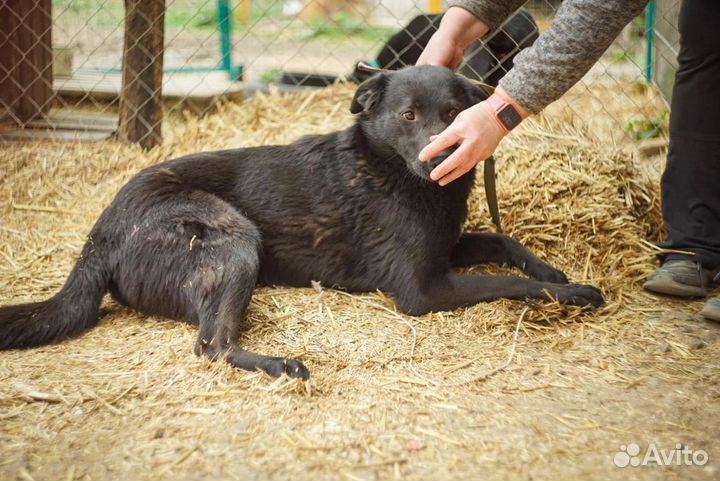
9	83
63	124
199	86
97	86
25	58
60	135
140	93
202	88
34	68
70	119
70	114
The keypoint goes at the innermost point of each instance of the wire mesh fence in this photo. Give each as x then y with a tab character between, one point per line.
62	61
664	44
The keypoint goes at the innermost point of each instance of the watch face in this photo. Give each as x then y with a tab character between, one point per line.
509	117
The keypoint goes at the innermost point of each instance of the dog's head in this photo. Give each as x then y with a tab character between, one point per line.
400	110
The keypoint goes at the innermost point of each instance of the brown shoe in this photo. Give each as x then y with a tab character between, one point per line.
711	310
682	278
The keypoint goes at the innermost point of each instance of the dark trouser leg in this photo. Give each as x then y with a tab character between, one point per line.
691	182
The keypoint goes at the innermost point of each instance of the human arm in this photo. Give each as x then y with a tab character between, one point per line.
462	24
581	32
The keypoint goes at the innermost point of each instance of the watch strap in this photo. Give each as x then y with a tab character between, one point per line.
506	115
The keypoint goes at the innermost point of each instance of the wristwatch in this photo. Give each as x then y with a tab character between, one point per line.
505	114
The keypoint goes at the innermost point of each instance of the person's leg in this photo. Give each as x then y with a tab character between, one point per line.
691	181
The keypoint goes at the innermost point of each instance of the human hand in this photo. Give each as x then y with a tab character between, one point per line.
443	51
478	134
458	29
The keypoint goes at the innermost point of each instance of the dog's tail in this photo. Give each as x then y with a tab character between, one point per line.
68	313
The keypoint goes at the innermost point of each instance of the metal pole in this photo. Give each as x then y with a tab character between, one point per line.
650	37
225	26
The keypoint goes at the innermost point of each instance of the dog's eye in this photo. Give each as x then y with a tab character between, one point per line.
409	115
453	113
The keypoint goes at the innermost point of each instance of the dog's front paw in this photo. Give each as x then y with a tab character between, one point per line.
541	271
277	366
579	295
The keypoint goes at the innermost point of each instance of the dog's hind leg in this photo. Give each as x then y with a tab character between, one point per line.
222	299
475	248
197	258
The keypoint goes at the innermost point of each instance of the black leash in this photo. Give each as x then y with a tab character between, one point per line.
488	165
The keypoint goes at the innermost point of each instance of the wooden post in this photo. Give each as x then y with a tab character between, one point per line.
141	92
25	59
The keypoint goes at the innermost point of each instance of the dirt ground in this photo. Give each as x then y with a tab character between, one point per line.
393	396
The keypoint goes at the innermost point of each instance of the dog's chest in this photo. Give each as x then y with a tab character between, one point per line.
359	243
355	225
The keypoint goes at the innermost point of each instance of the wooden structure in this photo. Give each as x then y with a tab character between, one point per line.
196	91
140	98
27	96
64	124
26	75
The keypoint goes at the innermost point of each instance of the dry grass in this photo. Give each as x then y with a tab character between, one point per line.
394	397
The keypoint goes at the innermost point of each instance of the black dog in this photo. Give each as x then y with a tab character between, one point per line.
189	238
488	60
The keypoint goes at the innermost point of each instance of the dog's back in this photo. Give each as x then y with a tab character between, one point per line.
326	207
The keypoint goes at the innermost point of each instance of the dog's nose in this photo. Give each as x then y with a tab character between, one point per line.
438	159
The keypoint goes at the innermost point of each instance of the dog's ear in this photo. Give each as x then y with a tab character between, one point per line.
476	93
369	93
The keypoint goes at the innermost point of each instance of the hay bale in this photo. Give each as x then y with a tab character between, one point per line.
394	397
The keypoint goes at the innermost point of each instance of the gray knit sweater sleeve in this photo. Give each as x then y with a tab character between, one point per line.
492	12
580	33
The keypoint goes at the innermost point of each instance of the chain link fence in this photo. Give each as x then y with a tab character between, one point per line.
663	44
62	61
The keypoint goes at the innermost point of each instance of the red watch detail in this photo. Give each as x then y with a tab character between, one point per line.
506	115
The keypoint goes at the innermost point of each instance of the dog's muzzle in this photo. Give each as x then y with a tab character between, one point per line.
440	158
